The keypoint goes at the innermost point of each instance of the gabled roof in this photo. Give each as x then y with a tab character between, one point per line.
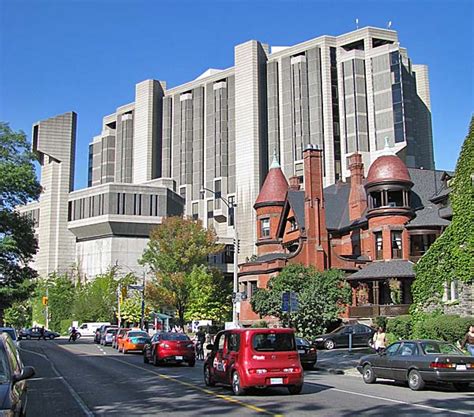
395	268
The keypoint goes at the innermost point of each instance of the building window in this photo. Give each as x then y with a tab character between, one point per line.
293	224
210	213
265	228
229	254
376	199
395	199
217	194
195	211
419	244
231	218
299	171
396	244
253	288
451	291
378	245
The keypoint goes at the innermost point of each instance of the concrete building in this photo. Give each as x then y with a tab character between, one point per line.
345	94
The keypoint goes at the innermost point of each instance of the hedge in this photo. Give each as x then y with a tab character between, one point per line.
442	327
400	326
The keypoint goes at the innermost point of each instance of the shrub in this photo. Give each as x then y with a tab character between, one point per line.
391	338
260	324
65	325
442	327
401	327
380	321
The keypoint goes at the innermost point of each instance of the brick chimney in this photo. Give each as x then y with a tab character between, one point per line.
315	215
294	183
357	196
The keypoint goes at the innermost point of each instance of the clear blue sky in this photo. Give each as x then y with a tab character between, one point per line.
87	56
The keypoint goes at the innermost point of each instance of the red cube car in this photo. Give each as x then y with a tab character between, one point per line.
260	358
169	347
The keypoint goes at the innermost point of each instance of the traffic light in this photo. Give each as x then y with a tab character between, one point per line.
45	301
237	247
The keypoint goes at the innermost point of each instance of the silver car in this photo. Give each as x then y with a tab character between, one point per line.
108	336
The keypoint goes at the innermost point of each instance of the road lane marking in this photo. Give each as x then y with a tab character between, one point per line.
390	400
205	390
74	394
190	385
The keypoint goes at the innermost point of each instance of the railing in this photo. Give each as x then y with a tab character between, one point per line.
375	310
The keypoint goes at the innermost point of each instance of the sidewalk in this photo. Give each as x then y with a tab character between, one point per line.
341	361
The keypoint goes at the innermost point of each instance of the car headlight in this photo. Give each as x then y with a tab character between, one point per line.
319	339
7	413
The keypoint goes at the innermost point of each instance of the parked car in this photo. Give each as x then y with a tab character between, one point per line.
35	333
101	330
308	353
418	362
134	340
120	333
170	347
13	376
89	328
361	336
12	332
245	358
108	336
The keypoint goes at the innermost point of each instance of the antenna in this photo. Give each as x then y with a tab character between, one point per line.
357	23
389	24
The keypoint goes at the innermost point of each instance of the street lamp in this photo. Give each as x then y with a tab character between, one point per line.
235	288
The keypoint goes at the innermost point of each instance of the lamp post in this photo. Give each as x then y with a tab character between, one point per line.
235	288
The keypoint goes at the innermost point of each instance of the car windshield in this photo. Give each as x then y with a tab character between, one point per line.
112	331
174	336
138	334
443	348
273	342
4	369
301	341
11	332
339	329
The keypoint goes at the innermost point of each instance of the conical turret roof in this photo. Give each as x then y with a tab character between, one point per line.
274	187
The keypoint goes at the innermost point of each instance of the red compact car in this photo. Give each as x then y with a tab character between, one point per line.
170	347
260	358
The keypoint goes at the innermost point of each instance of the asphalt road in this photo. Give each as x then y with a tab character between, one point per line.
84	379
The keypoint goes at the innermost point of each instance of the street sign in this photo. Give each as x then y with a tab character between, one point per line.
289	302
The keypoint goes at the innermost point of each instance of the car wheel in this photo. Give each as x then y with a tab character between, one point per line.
368	374
28	337
208	377
51	336
461	386
155	359
329	344
237	385
124	351
145	357
415	381
295	389
308	366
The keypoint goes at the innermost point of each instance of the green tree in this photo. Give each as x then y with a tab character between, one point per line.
210	296
451	257
321	297
131	309
18	186
18	315
61	297
175	248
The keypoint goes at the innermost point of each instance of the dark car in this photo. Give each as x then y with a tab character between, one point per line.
169	347
308	353
418	362
13	377
35	333
101	331
361	336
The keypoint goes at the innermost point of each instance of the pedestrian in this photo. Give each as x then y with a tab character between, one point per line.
42	333
468	342
200	339
379	341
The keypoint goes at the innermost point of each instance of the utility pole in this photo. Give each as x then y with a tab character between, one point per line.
119	296
142	319
47	308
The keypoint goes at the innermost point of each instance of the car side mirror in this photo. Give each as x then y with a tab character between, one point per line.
210	346
28	372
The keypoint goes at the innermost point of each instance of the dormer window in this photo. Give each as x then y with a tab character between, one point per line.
293	224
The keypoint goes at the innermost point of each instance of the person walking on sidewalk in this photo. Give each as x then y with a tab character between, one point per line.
468	342
380	340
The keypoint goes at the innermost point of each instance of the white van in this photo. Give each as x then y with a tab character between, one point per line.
89	328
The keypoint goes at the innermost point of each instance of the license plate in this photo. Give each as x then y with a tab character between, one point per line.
179	358
461	368
276	381
301	351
